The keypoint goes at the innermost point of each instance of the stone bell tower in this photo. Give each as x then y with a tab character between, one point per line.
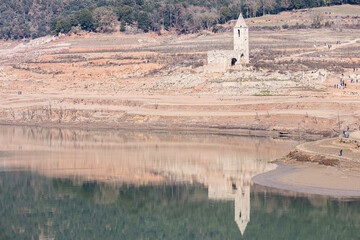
221	60
241	40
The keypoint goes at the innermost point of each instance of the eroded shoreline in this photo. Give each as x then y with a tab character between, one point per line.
291	177
317	168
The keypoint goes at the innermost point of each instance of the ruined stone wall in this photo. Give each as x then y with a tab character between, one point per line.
220	60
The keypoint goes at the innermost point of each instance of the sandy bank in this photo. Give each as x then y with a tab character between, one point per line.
311	179
317	168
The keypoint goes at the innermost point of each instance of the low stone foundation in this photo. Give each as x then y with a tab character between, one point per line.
222	60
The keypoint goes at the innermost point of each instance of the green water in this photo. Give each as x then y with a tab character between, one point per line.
79	184
32	206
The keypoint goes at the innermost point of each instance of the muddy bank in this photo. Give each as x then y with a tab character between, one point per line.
142	115
320	180
316	168
129	122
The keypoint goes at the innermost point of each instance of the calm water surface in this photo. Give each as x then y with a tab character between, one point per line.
75	184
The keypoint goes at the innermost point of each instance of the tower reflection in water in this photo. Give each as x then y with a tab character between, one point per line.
223	164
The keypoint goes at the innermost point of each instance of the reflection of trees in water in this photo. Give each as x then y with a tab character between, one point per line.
101	193
313	217
31	205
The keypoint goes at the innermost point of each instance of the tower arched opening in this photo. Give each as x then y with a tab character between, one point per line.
233	61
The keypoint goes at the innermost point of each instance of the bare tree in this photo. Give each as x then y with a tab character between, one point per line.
285	4
252	6
195	18
316	17
208	18
155	20
105	19
268	5
171	8
179	15
338	23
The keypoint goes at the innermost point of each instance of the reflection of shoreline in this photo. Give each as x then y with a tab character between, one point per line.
224	164
33	138
133	157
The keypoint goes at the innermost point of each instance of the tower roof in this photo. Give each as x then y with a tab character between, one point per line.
240	22
242	226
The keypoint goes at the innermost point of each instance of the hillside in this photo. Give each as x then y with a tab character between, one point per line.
346	16
31	19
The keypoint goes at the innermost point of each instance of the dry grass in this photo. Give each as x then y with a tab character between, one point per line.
303	16
320	159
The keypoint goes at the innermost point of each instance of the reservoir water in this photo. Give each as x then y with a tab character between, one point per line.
78	184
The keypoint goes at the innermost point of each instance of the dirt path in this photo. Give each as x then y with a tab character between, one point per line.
350	159
298	174
322	48
29	51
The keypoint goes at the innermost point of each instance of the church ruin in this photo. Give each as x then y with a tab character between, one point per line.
225	59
